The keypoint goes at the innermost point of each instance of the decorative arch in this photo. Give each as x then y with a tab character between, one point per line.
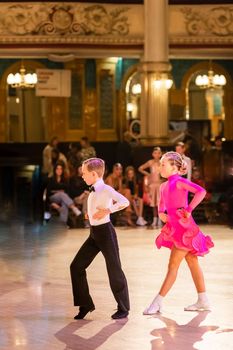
228	91
200	66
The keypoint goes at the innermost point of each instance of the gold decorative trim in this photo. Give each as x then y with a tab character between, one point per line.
215	21
64	19
70	23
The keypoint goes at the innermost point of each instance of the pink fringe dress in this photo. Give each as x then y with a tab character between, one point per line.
179	231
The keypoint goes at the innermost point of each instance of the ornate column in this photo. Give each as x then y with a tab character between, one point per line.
154	72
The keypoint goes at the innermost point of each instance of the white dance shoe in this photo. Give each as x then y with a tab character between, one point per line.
152	309
140	221
198	306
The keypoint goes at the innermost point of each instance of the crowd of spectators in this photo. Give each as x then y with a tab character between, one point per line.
66	192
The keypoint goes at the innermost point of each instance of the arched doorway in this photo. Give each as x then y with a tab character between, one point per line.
23	114
210	104
130	94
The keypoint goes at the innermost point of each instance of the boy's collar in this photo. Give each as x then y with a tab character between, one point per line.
98	184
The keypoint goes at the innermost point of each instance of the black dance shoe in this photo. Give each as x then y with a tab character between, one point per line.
120	314
83	311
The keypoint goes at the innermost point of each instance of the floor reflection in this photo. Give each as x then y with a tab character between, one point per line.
73	341
182	337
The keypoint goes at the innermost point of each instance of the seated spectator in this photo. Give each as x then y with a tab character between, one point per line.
47	155
57	193
130	182
87	151
57	156
79	192
115	180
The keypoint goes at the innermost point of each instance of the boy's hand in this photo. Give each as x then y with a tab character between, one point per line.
101	213
163	217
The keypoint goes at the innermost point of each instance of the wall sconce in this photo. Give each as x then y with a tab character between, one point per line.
136	89
162	81
130	107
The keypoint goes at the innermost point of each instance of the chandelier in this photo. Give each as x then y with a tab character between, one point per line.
21	79
211	80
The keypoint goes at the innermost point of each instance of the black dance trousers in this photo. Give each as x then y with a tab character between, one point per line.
102	239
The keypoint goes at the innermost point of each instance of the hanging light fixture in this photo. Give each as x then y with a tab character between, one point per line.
21	79
210	80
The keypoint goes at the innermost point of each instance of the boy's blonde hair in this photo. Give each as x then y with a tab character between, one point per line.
95	164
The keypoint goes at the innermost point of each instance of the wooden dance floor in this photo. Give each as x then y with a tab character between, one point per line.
36	307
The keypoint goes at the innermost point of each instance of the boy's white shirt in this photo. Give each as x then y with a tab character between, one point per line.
105	197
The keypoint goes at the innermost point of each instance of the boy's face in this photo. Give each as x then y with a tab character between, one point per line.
90	177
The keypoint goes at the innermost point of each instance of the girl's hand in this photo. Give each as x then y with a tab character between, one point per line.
163	217
183	213
101	213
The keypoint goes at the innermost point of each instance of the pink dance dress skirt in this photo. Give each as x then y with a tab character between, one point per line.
183	233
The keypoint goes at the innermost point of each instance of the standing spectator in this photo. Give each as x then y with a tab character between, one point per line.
151	170
87	151
180	148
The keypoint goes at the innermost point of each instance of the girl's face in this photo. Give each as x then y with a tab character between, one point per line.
156	154
166	169
117	170
130	174
59	170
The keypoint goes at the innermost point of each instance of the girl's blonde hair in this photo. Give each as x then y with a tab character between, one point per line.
176	159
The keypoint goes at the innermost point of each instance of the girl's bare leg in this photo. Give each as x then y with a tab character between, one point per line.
198	279
135	207
176	256
196	272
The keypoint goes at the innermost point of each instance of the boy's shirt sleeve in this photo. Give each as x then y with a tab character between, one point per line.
119	201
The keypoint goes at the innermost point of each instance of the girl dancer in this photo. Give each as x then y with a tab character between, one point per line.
180	233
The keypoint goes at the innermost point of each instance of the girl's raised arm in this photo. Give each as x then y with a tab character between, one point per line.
199	192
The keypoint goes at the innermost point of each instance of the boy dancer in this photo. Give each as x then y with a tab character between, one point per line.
102	238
